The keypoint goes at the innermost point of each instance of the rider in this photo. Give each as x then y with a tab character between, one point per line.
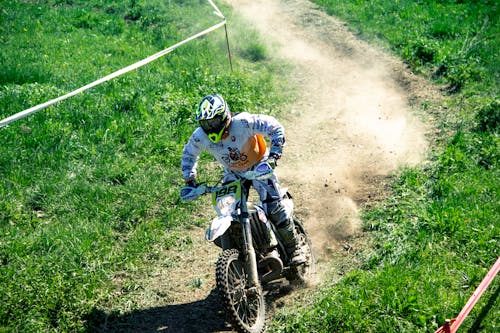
237	143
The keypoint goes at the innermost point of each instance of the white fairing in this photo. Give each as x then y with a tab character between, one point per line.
263	218
218	227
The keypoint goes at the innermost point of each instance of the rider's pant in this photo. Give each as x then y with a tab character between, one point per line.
279	215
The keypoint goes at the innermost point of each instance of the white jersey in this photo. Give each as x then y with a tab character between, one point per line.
241	149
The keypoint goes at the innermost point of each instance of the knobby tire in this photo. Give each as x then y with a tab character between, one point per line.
245	310
300	275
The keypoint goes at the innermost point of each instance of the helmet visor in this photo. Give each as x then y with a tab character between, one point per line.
213	125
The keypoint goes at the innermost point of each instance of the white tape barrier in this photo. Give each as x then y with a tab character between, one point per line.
122	71
217	11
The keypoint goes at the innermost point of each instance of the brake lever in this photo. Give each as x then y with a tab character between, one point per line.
272	162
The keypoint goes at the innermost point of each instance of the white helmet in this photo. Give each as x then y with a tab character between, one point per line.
213	116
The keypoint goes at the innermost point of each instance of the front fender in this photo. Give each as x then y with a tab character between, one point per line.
218	227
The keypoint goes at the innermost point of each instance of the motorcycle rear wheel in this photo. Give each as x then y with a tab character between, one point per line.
244	306
300	275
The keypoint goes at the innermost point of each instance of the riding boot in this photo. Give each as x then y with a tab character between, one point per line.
289	237
280	216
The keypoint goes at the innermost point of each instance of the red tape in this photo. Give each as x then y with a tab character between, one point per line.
452	325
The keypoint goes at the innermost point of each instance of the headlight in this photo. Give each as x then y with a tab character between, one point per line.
226	204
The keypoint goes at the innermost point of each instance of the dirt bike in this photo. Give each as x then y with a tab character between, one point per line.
252	253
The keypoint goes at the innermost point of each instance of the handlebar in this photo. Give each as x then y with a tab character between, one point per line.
263	170
273	162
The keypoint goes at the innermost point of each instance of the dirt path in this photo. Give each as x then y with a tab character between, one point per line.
351	127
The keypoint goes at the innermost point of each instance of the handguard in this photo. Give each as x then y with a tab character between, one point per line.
262	171
189	193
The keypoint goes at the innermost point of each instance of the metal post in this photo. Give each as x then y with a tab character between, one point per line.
228	49
447	326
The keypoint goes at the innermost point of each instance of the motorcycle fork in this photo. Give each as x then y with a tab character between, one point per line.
251	258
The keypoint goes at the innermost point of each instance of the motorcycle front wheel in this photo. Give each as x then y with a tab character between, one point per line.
244	306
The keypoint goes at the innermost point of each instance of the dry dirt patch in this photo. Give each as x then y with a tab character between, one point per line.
351	124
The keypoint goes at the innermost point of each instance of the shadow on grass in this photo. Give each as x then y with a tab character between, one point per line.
202	316
477	326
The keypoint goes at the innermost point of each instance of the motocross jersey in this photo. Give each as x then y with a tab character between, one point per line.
241	149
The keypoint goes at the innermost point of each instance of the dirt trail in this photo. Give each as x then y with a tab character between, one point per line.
351	127
351	124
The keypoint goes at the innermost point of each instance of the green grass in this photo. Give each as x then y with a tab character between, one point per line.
437	236
89	187
455	42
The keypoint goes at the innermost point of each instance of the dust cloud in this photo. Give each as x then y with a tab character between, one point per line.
350	125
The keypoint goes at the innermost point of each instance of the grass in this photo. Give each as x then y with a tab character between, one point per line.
437	236
89	187
455	42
